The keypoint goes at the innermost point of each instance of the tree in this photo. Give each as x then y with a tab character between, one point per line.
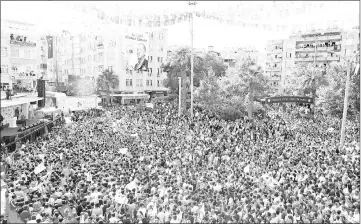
332	95
253	82
233	94
179	65
107	81
311	78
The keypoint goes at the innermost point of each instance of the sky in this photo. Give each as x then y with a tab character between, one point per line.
56	16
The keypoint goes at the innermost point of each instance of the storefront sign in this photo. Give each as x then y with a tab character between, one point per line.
22	43
288	99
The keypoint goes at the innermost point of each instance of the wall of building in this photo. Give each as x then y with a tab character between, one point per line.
301	49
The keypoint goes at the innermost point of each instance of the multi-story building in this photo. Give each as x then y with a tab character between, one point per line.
319	48
87	56
20	50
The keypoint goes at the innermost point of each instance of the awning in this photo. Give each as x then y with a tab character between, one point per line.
19	101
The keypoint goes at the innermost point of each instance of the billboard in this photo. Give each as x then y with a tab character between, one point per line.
135	52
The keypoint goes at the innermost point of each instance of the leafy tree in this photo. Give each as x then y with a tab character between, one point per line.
312	78
332	96
107	81
179	65
253	82
233	94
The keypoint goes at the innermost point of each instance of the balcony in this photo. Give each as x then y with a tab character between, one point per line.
319	38
23	75
312	49
100	46
273	69
318	58
275	60
308	59
22	43
275	51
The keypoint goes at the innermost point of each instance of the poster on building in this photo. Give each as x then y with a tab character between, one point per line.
50	46
135	52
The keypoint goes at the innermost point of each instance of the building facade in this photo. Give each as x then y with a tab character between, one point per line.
20	54
319	48
87	56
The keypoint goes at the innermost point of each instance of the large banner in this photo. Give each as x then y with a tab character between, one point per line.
135	52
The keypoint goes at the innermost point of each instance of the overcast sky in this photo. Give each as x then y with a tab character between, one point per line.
55	16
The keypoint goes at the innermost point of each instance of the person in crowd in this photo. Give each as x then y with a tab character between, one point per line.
130	165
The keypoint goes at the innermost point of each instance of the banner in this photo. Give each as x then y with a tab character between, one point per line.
39	168
288	99
50	46
135	51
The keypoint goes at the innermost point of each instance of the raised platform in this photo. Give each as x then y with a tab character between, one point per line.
8	132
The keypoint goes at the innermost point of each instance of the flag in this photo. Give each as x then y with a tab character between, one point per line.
50	46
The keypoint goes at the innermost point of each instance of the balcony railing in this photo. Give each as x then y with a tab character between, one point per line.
277	69
274	59
23	75
312	49
100	46
318	58
320	38
22	43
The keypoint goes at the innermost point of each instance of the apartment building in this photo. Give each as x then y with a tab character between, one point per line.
20	55
87	56
319	48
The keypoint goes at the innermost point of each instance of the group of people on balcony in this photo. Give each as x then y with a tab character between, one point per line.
22	74
327	44
18	38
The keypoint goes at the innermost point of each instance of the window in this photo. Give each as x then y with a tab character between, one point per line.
100	68
129	82
151	82
161	48
4	69
158	74
15	52
151	35
4	52
151	71
139	83
147	83
158	83
160	36
158	59
151	58
110	68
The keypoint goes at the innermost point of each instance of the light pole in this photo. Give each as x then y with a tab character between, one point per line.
345	103
192	4
180	96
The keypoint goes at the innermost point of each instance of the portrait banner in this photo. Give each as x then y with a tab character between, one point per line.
135	51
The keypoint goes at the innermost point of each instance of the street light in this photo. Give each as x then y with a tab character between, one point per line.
345	103
192	4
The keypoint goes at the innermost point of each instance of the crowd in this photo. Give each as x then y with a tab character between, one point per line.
130	165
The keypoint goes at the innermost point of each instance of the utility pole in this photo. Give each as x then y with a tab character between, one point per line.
56	61
192	4
180	96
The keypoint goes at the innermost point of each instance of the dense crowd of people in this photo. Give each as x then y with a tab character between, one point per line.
130	165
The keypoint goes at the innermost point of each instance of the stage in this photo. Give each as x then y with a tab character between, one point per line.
7	132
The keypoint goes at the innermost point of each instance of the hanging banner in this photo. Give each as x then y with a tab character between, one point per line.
135	52
50	46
